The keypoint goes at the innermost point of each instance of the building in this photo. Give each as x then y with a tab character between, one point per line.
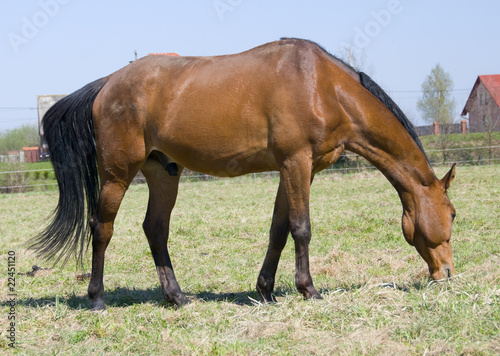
483	105
44	103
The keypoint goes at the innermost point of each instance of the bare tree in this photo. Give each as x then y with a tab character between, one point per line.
356	58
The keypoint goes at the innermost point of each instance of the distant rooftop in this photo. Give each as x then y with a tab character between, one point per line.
171	54
492	84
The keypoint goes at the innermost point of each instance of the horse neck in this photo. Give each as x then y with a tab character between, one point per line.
379	137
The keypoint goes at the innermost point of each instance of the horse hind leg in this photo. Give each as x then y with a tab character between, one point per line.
277	240
163	188
111	195
116	173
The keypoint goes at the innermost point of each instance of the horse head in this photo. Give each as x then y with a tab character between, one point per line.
427	226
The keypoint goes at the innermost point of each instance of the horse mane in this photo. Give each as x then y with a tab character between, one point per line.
381	95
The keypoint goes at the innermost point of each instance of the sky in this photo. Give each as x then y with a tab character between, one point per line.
58	46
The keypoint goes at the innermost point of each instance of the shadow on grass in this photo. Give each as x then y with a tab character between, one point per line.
125	297
119	297
240	298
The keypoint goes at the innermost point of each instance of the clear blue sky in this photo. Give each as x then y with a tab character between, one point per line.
57	46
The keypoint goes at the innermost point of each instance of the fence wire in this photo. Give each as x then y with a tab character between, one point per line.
13	181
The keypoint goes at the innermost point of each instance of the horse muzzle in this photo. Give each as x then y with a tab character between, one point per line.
446	271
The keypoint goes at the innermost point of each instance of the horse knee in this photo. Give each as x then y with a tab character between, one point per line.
301	231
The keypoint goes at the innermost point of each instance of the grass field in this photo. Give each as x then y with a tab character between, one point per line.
377	295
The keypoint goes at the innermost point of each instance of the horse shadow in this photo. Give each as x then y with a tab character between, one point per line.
123	297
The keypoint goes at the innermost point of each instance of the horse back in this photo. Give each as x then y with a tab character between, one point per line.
247	110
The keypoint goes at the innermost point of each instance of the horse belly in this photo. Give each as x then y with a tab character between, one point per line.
220	146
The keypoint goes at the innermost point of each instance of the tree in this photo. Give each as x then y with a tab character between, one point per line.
16	139
437	105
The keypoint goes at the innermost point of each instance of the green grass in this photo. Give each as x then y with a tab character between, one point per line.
378	299
476	139
466	149
22	177
5	166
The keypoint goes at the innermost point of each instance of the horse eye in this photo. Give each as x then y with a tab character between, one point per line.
453	216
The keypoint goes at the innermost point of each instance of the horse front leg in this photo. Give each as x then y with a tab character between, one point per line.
296	177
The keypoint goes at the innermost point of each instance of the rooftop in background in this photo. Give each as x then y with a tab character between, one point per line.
171	54
492	84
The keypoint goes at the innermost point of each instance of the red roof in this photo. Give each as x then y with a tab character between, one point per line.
171	54
492	84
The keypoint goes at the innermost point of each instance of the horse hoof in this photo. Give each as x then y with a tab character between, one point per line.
184	302
268	298
98	305
316	296
312	295
180	300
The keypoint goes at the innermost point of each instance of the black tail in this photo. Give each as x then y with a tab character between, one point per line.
69	131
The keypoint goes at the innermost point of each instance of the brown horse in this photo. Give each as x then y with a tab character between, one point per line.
288	106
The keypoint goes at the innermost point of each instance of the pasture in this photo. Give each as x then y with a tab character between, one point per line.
377	295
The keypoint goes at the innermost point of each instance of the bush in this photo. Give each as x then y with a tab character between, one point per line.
16	139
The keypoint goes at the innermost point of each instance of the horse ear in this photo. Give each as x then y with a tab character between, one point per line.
448	178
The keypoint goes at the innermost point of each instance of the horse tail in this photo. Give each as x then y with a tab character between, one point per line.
69	131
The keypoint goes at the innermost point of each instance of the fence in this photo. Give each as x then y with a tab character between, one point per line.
14	181
442	129
481	127
437	129
27	154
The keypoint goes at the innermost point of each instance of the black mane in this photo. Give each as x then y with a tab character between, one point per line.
380	94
